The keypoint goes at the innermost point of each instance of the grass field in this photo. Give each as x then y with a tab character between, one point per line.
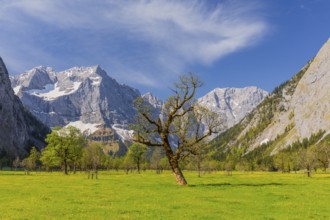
116	195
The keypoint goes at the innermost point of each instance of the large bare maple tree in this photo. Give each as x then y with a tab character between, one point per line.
180	126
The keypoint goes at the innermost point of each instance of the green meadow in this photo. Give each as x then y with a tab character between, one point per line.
115	195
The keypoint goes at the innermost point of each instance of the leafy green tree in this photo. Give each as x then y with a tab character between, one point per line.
117	163
179	128
34	157
30	163
156	156
49	159
136	153
93	156
66	144
282	161
107	161
295	161
164	164
323	154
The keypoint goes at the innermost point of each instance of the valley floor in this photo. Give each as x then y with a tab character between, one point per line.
116	195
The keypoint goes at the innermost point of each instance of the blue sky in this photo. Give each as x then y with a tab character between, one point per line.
147	44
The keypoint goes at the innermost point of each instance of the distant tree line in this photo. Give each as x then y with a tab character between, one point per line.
308	155
68	150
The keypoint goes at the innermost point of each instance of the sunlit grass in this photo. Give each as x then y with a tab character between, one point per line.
116	195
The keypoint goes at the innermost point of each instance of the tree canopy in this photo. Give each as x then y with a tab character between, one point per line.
64	146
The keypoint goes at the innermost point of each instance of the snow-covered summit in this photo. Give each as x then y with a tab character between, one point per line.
89	98
81	96
35	78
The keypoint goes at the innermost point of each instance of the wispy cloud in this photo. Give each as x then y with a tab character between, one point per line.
140	41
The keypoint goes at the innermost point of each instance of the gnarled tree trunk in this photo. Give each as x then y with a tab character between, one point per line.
178	173
180	178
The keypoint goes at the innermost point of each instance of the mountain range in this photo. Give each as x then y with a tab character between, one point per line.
84	97
88	98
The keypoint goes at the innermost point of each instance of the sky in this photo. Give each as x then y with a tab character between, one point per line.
148	44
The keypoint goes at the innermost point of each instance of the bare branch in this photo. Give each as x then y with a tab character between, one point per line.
141	140
181	121
149	119
191	108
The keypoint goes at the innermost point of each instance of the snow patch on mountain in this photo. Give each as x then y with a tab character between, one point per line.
84	97
53	91
123	132
85	128
17	89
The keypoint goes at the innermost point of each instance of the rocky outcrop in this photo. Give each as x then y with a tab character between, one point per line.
19	129
112	144
311	99
232	104
153	100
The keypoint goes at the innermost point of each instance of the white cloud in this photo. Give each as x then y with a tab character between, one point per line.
162	35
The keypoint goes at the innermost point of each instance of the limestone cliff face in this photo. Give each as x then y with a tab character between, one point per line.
311	100
295	110
84	97
232	104
19	129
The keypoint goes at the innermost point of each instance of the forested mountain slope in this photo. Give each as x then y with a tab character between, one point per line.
295	111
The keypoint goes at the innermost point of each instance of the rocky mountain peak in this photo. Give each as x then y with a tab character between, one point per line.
84	72
232	104
153	100
85	97
35	78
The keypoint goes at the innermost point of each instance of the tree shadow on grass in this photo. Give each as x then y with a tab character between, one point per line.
237	185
